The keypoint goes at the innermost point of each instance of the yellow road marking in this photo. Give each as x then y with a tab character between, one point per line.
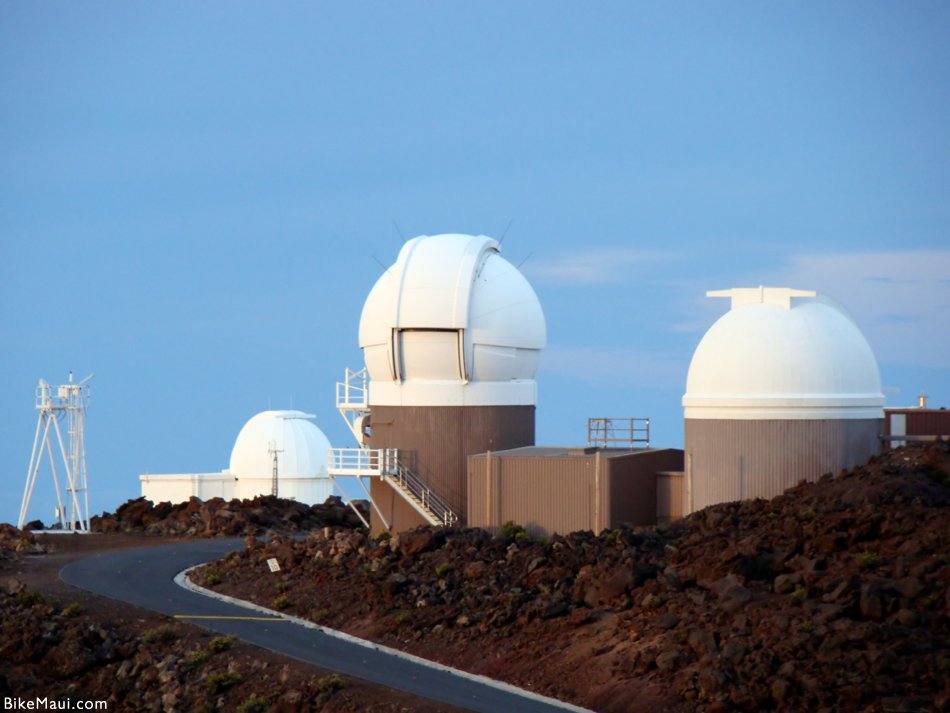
242	618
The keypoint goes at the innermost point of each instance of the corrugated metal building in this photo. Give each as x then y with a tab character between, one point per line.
670	496
560	490
917	423
735	460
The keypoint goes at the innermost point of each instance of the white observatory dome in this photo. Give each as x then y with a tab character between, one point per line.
452	323
783	354
302	447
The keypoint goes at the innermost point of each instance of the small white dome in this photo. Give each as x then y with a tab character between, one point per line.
451	312
783	354
302	447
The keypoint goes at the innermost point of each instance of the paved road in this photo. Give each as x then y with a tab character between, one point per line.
144	577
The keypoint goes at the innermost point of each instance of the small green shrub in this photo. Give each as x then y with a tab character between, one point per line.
402	617
799	594
281	602
196	658
220	681
30	597
383	537
253	704
212	578
867	560
808	514
442	569
512	530
330	683
221	643
74	609
164	634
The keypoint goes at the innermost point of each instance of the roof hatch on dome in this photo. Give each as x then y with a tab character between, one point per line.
781	353
452	313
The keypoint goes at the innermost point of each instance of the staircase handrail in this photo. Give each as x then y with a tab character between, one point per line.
412	484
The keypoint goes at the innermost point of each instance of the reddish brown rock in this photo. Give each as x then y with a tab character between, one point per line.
832	596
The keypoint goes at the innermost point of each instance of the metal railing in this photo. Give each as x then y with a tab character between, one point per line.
384	463
352	392
618	432
370	462
406	481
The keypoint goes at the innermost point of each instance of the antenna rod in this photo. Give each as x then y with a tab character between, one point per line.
274	450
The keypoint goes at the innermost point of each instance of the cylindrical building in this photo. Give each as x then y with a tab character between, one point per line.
782	388
451	335
285	440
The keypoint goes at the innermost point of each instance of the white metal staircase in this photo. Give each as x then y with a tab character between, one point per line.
384	463
419	496
352	403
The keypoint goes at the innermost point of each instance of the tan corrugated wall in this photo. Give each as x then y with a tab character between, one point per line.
543	494
736	460
548	494
670	497
633	485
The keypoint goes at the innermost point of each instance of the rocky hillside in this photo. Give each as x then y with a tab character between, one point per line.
14	543
833	595
226	518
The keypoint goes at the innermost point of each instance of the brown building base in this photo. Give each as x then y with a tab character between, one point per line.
729	460
434	442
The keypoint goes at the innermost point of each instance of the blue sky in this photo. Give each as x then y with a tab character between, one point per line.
194	197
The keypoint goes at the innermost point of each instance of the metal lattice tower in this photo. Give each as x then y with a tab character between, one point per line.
274	450
66	402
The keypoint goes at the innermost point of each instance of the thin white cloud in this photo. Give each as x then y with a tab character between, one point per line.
900	298
596	266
